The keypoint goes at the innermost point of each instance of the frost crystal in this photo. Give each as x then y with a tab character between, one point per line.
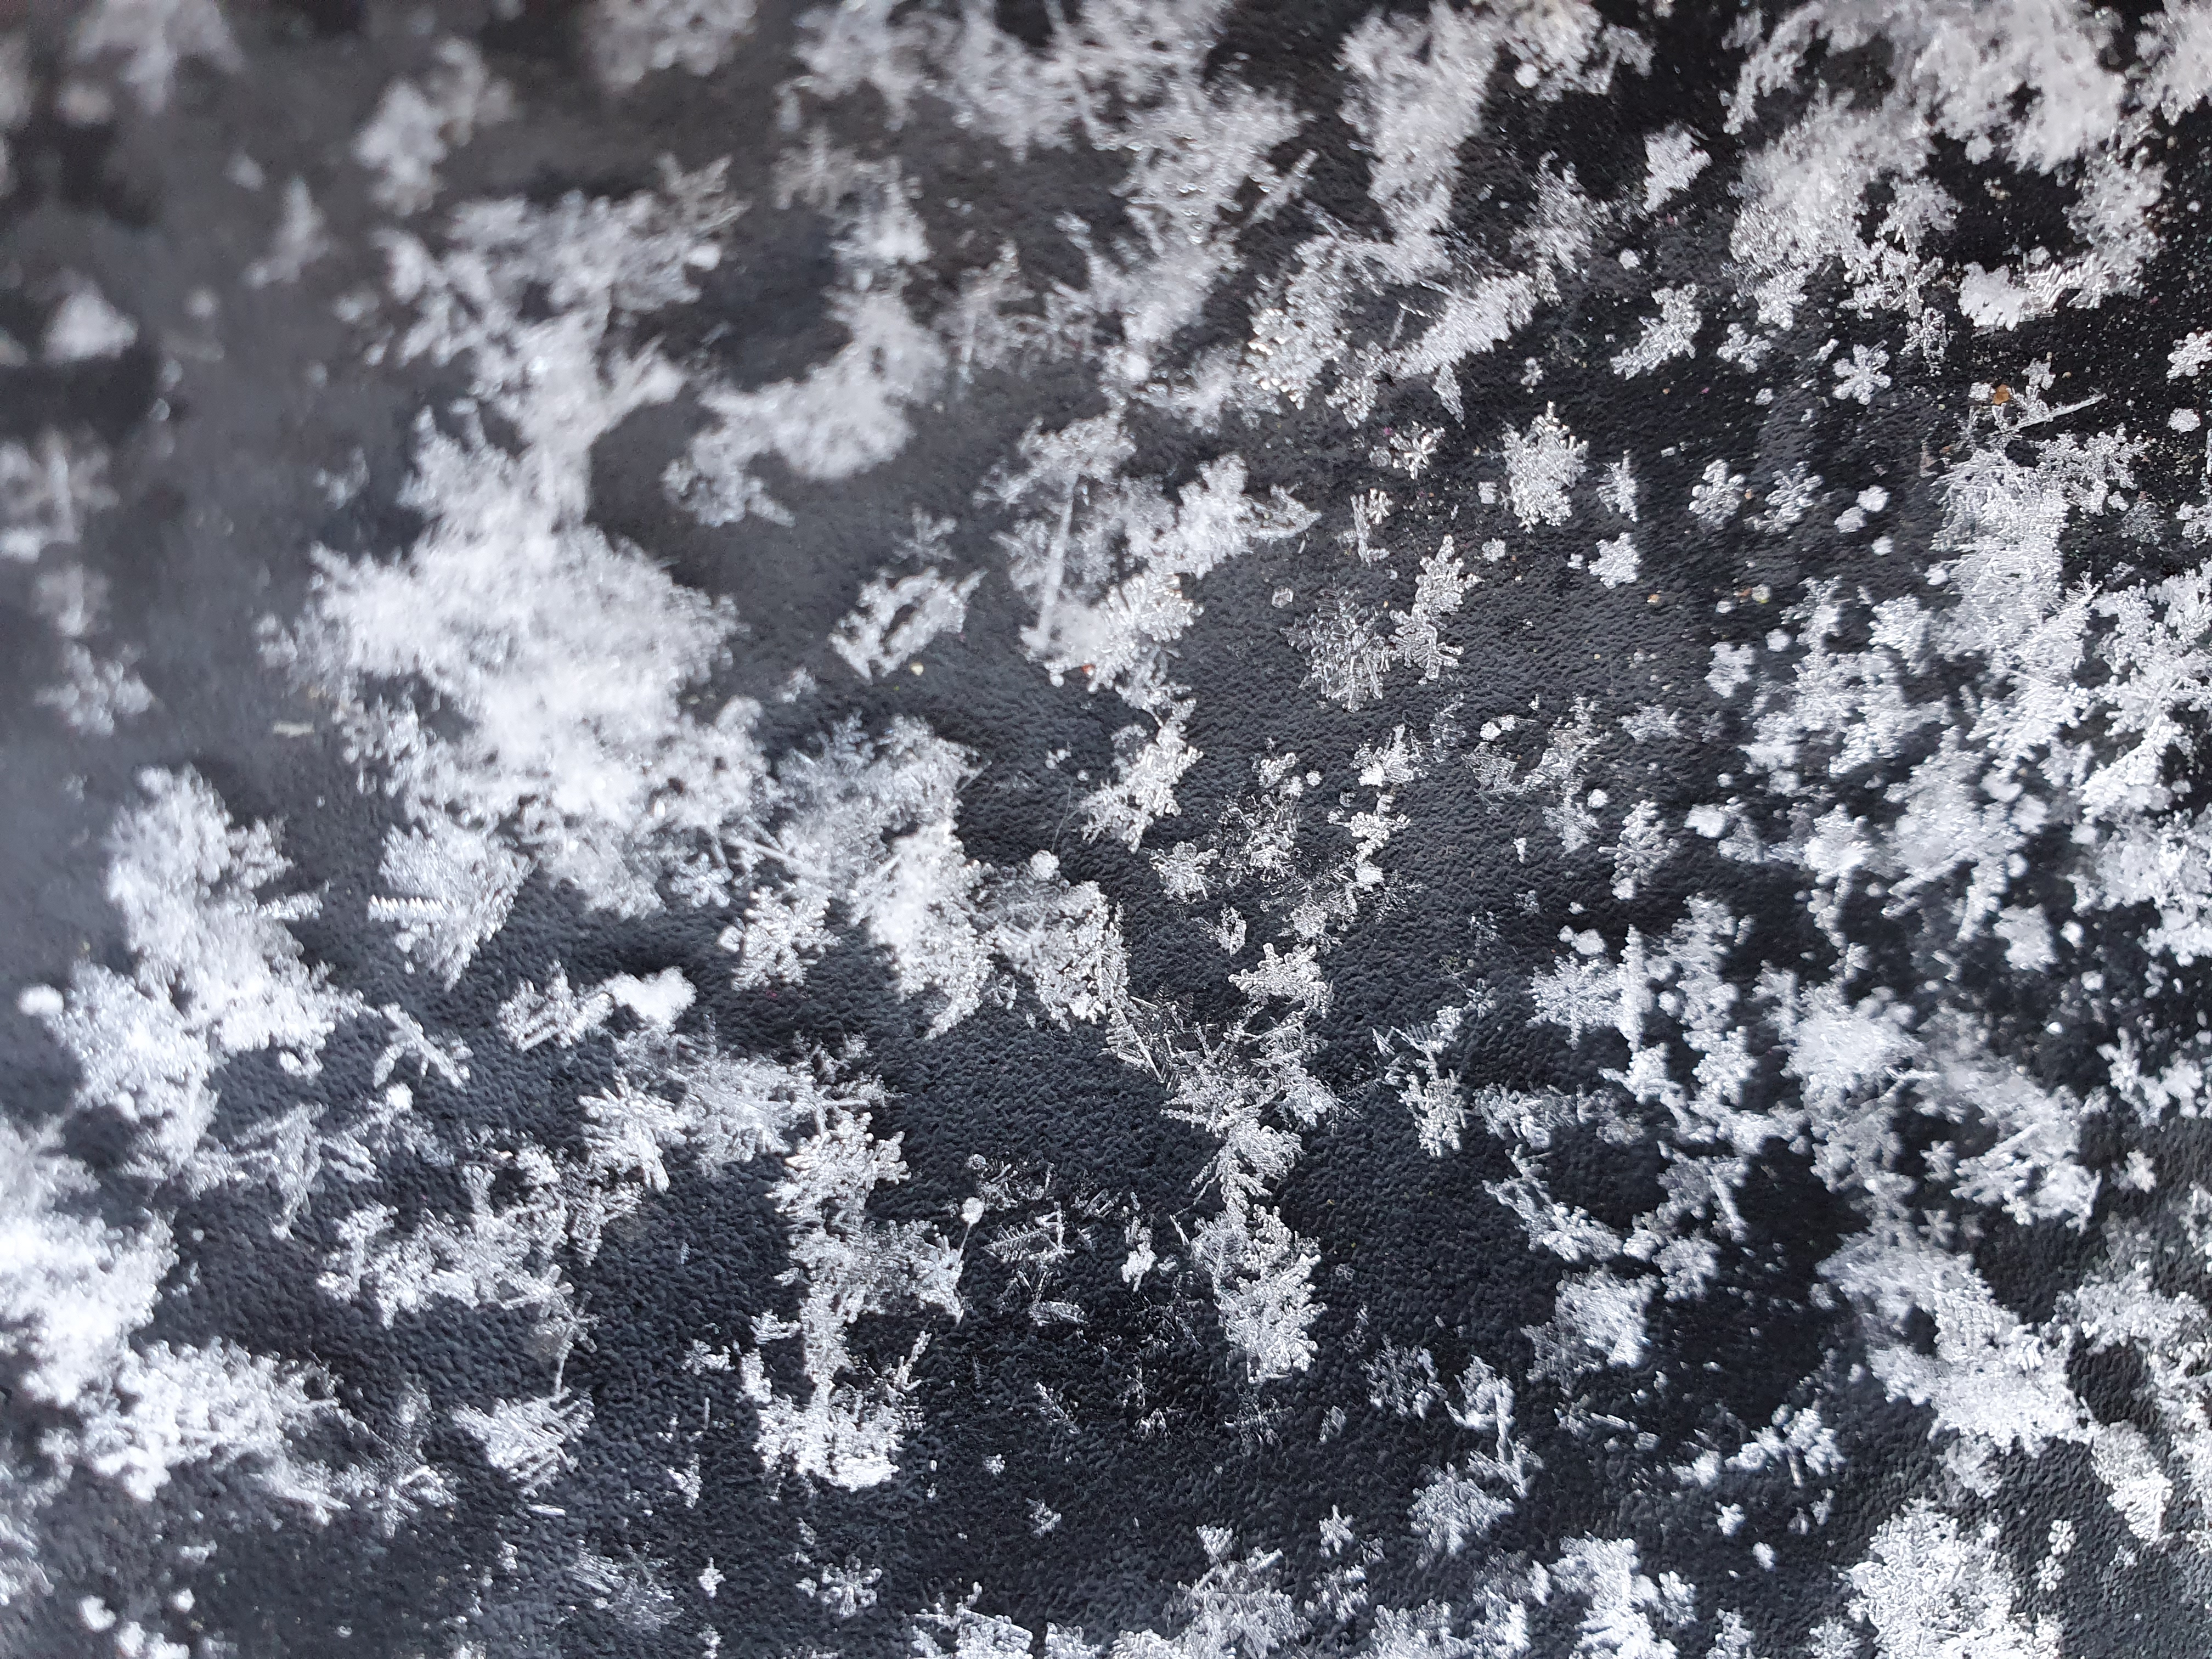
47	491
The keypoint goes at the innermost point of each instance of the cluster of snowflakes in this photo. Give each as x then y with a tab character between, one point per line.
1954	993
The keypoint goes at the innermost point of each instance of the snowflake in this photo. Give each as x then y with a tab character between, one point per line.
2190	356
1672	333
1148	767
1714	498
1371	510
1345	653
1540	464
1616	561
897	617
1671	160
1618	491
1409	449
97	694
1932	1591
301	238
527	1440
847	1590
1862	377
1181	870
1791	498
85	327
1402	1381
1442	587
451	887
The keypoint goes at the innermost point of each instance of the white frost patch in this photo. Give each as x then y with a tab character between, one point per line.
1991	299
1622	1599
416	126
219	1405
1671	160
1990	1379
154	38
302	237
2134	1483
1732	668
851	413
216	972
2027	937
1082	523
1458	1506
84	326
72	1289
571	726
563	726
657	999
629	39
1430	1090
1604	1315
1347	652
1932	1591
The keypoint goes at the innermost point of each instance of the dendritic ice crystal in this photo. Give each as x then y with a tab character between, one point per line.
1126	830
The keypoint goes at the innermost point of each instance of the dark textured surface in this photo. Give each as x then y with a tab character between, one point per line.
1138	1425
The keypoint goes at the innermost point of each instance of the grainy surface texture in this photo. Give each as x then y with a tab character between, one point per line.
1180	831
